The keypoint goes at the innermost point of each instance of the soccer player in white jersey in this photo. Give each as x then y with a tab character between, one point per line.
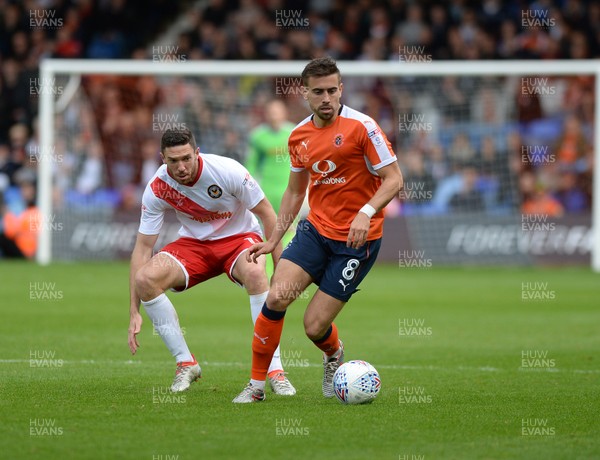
217	203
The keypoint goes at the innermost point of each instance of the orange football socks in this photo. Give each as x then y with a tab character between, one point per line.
267	333
329	343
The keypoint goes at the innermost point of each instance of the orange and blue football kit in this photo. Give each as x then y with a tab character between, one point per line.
342	159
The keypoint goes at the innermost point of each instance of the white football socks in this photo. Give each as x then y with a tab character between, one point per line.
256	303
166	323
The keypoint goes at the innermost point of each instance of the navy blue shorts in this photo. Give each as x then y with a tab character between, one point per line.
335	268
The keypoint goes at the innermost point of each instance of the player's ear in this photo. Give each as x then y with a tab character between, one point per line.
162	157
305	92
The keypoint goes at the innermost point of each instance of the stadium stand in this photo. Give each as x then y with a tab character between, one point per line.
110	173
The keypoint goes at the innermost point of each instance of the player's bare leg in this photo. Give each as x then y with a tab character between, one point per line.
289	281
160	273
319	327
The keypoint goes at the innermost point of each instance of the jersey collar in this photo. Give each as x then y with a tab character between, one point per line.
312	117
200	166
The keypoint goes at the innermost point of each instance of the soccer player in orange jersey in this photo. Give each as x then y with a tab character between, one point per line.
351	172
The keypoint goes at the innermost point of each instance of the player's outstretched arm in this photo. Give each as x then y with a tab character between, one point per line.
142	253
292	200
265	212
391	184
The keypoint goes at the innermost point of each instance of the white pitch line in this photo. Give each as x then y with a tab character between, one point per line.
377	366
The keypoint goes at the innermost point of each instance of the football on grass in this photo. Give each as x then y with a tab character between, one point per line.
356	382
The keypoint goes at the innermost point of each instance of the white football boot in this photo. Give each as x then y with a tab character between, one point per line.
330	365
249	395
185	374
280	385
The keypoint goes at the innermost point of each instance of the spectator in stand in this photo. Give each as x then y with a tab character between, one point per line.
248	30
453	101
8	167
572	148
18	137
413	30
570	194
494	174
468	198
537	199
20	220
436	163
508	44
461	152
418	182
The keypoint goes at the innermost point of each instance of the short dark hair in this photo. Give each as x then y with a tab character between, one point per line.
174	137
320	67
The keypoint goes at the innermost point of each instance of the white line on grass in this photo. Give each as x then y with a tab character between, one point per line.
378	366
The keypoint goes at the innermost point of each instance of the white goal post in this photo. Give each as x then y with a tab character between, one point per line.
49	68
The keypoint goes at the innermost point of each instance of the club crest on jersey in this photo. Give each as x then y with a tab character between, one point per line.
214	191
338	140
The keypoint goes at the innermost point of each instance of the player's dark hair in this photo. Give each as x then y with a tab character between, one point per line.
174	137
320	67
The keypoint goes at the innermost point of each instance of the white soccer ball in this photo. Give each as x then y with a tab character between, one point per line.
356	382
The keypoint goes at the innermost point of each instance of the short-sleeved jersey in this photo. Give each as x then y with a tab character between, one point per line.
215	206
343	159
267	160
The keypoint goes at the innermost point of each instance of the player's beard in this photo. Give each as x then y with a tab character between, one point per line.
325	116
187	178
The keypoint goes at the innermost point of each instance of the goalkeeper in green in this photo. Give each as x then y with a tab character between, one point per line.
268	161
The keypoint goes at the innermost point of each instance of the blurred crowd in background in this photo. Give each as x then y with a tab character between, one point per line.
496	145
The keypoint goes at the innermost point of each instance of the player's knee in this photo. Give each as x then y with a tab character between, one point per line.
277	300
255	279
314	330
145	284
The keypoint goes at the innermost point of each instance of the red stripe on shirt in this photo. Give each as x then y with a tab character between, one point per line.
181	202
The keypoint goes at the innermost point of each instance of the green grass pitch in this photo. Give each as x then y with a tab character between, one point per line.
469	369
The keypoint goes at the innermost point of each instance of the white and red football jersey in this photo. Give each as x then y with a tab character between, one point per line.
215	206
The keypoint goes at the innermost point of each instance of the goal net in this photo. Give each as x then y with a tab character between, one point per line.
497	157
